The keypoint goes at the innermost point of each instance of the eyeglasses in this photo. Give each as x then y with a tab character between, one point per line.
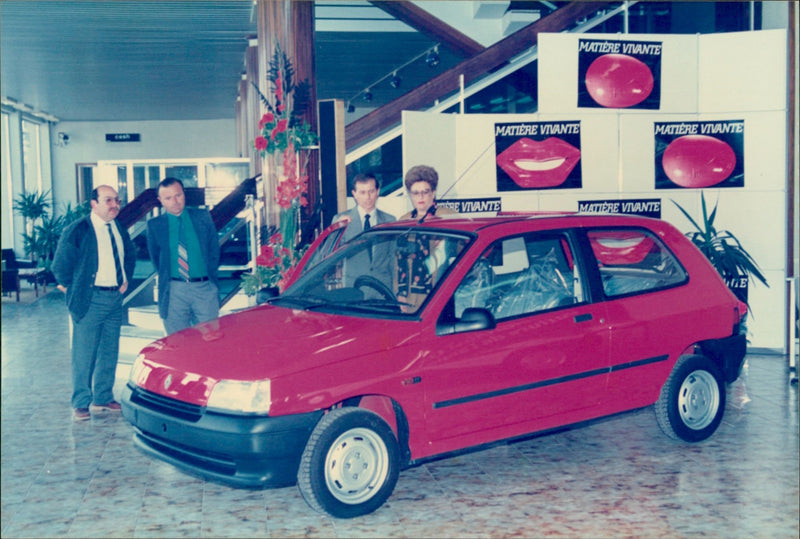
424	193
110	199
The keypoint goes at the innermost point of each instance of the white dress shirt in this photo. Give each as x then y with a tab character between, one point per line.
106	271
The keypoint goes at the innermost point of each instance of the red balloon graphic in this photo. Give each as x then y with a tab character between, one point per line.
618	80
698	161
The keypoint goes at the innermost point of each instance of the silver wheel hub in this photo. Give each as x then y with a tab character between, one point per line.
698	400
356	466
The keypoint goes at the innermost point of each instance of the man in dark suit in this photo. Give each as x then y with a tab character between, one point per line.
94	259
184	248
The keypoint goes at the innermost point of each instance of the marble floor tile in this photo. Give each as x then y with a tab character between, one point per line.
614	477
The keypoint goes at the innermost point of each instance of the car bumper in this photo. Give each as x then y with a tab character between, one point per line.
729	353
239	450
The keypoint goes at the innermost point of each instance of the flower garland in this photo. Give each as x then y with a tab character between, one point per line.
283	132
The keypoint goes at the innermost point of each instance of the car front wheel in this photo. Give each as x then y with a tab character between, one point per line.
692	400
350	464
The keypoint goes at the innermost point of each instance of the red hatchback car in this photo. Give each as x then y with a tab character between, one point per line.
417	339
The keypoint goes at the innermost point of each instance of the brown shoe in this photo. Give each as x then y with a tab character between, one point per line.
81	414
109	407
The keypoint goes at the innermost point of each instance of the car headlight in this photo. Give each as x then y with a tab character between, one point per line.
239	396
139	371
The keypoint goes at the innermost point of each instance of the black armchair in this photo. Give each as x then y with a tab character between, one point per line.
11	267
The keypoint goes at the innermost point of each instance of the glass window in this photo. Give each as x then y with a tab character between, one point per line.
186	174
633	261
31	157
385	272
385	162
522	275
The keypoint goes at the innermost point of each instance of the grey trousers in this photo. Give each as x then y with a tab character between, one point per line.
190	304
95	350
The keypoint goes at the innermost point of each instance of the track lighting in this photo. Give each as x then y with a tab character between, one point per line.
433	57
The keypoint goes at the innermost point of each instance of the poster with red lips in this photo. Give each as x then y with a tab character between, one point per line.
538	155
619	74
696	155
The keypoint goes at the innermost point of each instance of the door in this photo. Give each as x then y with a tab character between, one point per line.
545	362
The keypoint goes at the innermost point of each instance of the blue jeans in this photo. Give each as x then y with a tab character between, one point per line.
95	350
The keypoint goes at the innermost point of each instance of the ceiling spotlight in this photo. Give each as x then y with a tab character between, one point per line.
395	81
351	107
367	95
433	57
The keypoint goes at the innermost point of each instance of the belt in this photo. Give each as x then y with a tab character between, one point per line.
191	280
107	288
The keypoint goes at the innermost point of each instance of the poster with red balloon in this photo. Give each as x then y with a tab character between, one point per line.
538	155
694	155
619	74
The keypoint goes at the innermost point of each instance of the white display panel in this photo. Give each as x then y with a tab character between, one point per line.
742	71
558	71
618	147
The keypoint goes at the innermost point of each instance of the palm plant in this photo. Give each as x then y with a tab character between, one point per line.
32	207
721	247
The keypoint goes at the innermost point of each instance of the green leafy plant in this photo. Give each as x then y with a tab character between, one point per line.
43	230
721	247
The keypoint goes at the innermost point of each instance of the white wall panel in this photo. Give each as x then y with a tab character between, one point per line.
742	71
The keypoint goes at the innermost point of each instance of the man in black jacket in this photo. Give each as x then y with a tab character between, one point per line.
94	260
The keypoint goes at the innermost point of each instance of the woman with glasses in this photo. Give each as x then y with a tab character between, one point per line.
421	182
420	263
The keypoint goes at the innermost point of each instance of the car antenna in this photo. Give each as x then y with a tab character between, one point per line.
474	161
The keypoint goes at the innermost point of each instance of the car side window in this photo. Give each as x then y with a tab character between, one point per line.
633	261
522	275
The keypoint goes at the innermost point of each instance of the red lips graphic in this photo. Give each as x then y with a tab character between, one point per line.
618	80
533	164
698	161
616	248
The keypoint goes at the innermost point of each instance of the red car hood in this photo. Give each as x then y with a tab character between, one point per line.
276	340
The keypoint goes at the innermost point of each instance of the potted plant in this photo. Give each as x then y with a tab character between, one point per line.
722	248
43	230
32	207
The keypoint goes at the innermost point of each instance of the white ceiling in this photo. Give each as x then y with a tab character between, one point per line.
182	60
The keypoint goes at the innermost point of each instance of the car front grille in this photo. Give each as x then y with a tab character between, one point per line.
166	406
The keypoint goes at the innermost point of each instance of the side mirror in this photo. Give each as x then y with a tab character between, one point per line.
472	319
266	294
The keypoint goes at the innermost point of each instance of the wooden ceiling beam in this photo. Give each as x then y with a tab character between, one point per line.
430	26
423	96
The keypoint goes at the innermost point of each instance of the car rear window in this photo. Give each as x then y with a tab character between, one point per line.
633	261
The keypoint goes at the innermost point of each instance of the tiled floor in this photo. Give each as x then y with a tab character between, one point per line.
619	477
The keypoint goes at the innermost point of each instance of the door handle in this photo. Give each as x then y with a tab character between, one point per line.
583	317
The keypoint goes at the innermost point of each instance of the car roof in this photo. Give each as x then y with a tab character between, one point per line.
546	220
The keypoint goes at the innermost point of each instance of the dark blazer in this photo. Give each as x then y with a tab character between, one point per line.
354	227
158	248
75	263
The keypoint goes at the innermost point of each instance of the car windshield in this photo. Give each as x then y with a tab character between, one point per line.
391	271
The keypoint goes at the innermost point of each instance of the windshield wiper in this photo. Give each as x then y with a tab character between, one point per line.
306	302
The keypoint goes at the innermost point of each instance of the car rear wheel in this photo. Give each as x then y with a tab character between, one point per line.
692	400
350	464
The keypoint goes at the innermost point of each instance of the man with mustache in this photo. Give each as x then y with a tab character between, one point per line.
94	259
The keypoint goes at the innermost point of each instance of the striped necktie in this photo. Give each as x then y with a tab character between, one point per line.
183	254
117	265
